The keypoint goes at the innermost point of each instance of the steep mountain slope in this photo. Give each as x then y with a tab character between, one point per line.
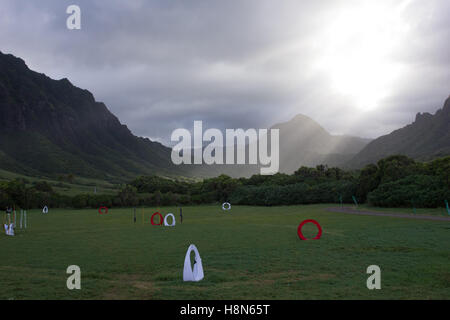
426	138
303	142
51	127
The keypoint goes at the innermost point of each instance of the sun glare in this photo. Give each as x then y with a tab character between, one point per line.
358	53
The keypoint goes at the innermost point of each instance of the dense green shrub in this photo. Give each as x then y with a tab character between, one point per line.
415	190
299	193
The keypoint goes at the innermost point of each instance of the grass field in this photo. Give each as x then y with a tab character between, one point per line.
248	253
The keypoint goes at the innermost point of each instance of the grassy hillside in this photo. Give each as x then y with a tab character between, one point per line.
79	184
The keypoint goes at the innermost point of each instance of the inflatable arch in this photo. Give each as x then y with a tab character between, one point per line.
226	206
166	224
299	230
160	219
103	210
9	229
188	273
45	209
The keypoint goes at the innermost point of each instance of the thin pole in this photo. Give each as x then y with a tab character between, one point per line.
356	202
181	215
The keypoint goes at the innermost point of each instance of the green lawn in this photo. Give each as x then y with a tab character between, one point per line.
247	253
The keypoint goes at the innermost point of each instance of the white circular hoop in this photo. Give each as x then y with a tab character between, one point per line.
45	209
224	206
166	224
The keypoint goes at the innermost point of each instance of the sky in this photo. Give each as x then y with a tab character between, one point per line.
362	68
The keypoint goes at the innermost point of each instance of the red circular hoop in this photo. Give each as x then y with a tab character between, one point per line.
100	210
160	219
299	230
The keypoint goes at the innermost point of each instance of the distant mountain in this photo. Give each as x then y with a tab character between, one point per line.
303	142
426	138
50	127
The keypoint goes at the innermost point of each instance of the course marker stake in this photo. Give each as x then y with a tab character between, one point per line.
181	215
356	202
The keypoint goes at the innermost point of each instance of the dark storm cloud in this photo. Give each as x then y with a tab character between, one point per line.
160	65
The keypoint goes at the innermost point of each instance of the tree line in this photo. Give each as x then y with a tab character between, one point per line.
395	181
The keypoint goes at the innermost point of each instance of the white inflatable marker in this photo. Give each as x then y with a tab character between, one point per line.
188	273
226	206
166	224
45	209
9	229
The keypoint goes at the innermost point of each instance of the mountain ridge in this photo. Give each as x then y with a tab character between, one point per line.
304	142
426	138
52	127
